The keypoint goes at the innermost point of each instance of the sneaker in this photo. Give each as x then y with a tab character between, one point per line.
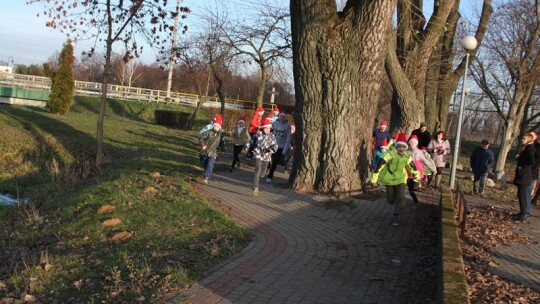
230	169
238	165
204	180
268	180
395	220
256	192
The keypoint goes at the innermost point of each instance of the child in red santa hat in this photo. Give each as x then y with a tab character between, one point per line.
265	145
392	173
210	141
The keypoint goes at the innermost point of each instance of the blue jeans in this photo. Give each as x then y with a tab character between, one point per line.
208	164
481	180
528	199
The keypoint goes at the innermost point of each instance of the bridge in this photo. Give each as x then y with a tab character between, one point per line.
35	91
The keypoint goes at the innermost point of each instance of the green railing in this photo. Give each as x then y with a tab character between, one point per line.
16	92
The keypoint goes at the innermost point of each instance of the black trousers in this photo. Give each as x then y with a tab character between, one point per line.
236	153
276	158
396	196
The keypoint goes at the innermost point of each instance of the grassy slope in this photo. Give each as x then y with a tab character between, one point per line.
58	245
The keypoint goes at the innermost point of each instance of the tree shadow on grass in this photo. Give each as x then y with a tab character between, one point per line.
77	206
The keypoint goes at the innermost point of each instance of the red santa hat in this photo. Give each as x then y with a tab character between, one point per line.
401	140
276	109
242	119
218	119
260	109
384	143
413	138
383	123
267	122
270	115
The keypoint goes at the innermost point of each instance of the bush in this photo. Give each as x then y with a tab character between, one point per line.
172	118
63	85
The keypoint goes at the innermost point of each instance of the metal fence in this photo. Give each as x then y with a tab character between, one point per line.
462	209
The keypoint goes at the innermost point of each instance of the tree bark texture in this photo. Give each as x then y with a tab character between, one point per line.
408	57
337	61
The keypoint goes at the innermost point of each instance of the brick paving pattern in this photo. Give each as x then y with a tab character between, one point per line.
303	252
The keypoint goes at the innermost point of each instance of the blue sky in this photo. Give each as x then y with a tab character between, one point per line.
25	38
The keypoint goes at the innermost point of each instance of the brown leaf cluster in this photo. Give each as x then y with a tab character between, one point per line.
112	222
120	236
105	209
488	227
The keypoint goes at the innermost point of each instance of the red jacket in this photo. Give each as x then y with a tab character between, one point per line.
255	123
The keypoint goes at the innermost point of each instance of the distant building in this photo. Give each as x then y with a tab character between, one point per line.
6	69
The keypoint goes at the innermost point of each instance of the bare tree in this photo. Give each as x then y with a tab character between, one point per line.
510	70
90	68
126	73
263	40
108	22
337	60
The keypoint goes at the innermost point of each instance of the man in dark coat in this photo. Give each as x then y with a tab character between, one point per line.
424	137
482	160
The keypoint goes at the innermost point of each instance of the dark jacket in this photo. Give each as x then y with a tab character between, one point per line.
379	136
423	138
536	160
525	163
211	140
482	160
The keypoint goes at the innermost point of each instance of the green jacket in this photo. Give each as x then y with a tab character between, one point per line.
392	169
211	140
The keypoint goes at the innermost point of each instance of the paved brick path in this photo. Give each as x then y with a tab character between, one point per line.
303	252
518	262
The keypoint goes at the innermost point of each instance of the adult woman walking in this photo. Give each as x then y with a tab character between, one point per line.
523	176
439	147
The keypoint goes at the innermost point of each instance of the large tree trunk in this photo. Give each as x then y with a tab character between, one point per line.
430	98
406	109
510	132
337	60
506	144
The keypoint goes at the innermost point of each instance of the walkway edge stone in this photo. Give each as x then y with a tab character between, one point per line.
451	269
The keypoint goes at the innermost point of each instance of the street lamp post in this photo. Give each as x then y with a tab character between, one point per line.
9	60
468	43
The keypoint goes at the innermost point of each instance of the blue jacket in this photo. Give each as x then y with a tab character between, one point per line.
482	160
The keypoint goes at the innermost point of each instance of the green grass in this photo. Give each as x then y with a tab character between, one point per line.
56	247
